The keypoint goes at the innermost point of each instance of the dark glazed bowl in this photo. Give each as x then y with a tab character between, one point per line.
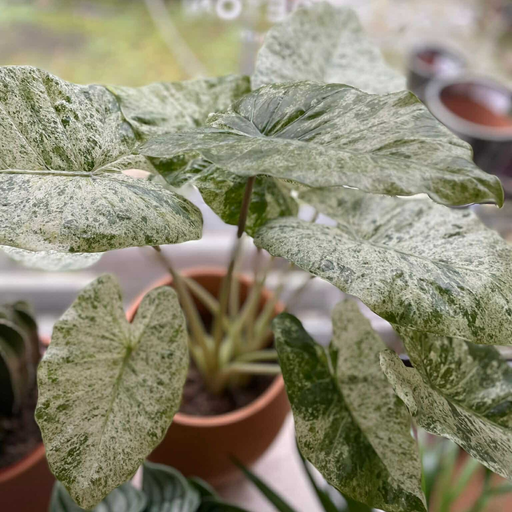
479	111
430	62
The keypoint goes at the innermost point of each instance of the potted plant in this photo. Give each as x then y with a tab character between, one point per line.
24	475
325	122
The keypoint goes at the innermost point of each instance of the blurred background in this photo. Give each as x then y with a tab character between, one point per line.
135	42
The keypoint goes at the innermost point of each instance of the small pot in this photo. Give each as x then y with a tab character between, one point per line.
26	486
431	62
479	111
204	446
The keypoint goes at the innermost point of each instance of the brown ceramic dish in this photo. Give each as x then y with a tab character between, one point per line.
203	446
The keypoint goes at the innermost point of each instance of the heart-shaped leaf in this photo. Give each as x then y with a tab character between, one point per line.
123	499
51	261
62	147
168	490
324	43
108	390
460	391
348	422
412	262
164	107
333	136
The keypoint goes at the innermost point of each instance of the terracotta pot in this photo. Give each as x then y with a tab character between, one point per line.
26	486
203	446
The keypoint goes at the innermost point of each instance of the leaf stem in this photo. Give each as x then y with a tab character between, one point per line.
194	320
253	368
258	355
226	282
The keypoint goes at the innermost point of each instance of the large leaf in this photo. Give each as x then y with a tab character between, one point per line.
460	391
168	490
333	135
108	390
62	147
123	499
348	422
51	261
324	43
414	263
174	106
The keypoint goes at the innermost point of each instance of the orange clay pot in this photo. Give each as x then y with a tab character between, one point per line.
26	486
203	446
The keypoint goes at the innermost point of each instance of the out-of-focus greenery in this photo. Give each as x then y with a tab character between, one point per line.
110	41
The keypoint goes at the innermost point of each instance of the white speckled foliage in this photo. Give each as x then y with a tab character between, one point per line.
460	391
62	147
324	43
51	261
332	135
349	423
414	263
108	390
164	107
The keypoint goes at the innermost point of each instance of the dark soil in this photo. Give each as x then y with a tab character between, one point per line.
199	401
19	434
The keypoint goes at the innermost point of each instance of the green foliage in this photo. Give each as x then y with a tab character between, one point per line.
324	44
460	391
414	263
331	136
349	423
99	428
19	356
109	389
164	489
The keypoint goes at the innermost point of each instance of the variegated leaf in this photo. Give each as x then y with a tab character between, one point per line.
348	422
168	490
62	147
174	106
108	390
414	263
51	261
333	135
123	499
460	391
324	43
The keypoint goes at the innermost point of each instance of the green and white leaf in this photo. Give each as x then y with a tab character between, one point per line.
324	43
414	263
163	107
459	391
51	261
332	136
223	192
108	390
348	422
168	490
123	499
62	147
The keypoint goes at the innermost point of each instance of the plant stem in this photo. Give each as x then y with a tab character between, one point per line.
193	318
226	282
258	355
253	368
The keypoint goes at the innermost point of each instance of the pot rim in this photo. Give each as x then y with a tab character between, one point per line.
424	70
19	467
238	415
433	100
